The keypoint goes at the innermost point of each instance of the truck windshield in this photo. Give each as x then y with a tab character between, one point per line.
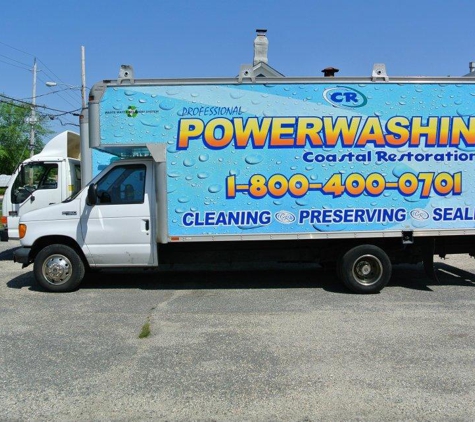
31	177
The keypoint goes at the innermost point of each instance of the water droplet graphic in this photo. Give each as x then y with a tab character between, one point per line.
167	105
149	122
236	94
214	188
254	159
174	174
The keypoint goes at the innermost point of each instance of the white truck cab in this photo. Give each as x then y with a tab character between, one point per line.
93	228
46	178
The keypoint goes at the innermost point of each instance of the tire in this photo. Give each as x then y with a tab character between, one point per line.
365	269
58	268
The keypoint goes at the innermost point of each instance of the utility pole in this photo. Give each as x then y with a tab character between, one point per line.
33	119
83	77
86	151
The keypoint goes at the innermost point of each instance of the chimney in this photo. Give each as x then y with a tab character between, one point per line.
261	45
329	72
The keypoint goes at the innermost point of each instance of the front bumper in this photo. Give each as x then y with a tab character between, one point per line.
4	235
22	255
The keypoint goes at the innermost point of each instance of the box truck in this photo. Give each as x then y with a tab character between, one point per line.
44	179
360	173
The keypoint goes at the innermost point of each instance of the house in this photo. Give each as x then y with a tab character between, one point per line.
4	178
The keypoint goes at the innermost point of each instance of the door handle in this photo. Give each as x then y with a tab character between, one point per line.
147	225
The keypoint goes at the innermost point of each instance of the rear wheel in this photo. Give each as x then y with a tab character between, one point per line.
58	268
365	269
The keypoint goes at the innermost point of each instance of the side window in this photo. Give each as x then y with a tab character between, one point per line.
77	179
50	178
122	185
33	176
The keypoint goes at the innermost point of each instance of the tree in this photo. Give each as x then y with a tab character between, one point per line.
15	134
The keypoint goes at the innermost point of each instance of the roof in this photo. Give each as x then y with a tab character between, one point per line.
263	70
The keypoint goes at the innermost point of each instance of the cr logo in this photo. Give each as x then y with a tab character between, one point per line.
345	97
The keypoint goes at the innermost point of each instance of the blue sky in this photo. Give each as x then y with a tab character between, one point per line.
176	39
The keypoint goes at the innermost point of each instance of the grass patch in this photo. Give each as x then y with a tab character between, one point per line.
145	330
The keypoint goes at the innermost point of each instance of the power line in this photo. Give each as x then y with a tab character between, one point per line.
14	65
14	48
16	61
54	74
45	115
64	99
44	95
21	106
67	122
55	77
63	112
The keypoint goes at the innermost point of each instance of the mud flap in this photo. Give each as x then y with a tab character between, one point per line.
3	236
428	261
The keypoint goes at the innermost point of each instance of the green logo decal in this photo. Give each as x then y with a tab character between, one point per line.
132	111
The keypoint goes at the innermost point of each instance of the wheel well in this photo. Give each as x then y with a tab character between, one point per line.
62	240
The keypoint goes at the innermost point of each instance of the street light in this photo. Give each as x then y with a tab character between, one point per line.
52	84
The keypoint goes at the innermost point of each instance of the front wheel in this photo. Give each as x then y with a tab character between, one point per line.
365	269
58	268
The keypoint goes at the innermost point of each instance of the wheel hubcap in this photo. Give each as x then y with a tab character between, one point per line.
368	270
57	269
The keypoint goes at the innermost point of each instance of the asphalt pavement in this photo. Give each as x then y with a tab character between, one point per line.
255	343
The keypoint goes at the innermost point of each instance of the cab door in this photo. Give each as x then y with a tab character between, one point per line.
35	186
118	228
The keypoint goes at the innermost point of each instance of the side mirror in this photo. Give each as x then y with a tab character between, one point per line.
92	195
